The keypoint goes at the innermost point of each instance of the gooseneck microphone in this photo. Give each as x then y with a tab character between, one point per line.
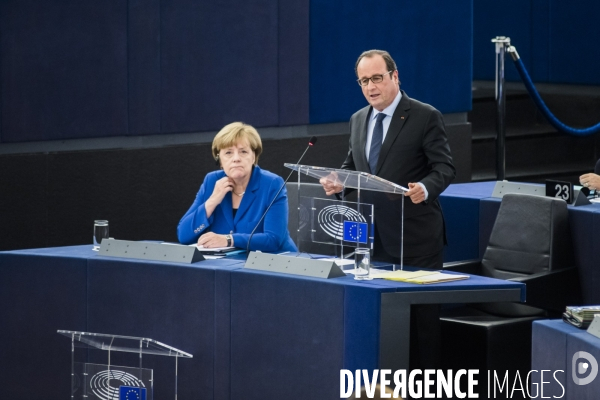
311	142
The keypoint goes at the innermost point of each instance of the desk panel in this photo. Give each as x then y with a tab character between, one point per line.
287	336
585	228
460	204
591	345
554	343
168	302
40	292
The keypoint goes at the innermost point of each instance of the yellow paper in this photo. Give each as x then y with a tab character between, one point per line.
438	277
403	276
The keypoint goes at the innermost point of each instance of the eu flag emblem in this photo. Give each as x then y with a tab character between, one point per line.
132	393
355	231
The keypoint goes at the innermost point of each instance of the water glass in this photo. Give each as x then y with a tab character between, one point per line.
100	232
362	264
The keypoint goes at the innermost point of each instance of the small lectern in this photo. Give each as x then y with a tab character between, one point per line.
110	382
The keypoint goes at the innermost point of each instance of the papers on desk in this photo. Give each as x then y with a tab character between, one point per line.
216	252
421	277
212	249
375	273
580	317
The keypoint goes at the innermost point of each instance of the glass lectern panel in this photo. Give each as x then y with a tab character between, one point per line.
311	234
327	226
129	344
349	179
109	381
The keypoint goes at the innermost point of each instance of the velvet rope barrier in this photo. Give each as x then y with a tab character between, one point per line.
542	106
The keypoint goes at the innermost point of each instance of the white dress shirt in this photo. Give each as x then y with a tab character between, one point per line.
389	112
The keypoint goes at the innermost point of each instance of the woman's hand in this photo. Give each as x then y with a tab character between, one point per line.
210	240
590	181
222	187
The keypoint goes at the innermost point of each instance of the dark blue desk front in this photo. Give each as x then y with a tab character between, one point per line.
253	335
554	345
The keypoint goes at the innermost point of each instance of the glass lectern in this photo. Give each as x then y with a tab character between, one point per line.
337	222
111	382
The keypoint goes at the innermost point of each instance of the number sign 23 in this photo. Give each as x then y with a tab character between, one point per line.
561	190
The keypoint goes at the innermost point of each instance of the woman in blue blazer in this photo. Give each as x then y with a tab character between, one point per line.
231	201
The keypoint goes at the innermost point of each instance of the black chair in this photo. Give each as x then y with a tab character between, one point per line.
530	243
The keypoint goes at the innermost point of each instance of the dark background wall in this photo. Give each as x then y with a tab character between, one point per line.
75	69
557	40
430	41
72	69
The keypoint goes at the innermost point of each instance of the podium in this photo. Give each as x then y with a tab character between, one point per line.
92	381
338	223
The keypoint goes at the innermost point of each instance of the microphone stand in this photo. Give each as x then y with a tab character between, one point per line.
311	142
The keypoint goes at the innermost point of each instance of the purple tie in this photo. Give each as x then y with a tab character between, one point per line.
376	141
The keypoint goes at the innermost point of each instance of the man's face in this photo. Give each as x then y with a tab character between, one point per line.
379	95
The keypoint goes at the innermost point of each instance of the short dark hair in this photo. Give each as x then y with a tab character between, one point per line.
389	61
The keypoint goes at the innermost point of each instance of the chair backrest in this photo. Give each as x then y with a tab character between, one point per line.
531	235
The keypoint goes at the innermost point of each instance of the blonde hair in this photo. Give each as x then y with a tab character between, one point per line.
232	134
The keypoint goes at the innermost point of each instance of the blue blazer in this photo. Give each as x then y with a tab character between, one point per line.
271	235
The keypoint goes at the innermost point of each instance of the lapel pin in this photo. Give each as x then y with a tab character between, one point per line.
401	117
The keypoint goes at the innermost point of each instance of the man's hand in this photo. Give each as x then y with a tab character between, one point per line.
415	192
331	184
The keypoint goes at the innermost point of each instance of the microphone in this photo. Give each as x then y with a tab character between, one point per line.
311	143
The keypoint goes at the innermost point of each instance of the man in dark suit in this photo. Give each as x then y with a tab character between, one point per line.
401	140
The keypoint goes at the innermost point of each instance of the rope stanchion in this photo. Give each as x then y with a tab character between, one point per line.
540	103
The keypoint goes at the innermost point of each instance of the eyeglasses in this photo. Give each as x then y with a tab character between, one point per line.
374	79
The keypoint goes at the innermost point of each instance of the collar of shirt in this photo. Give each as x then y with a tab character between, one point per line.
388	111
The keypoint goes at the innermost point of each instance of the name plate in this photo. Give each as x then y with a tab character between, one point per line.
150	251
594	327
293	265
560	190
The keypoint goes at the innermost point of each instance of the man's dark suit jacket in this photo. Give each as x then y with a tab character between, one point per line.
415	149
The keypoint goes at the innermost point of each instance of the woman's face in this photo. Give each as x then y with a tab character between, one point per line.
237	160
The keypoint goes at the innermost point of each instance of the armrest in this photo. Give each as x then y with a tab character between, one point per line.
472	267
552	290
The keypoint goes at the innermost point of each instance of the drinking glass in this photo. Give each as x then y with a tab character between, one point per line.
362	264
100	232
